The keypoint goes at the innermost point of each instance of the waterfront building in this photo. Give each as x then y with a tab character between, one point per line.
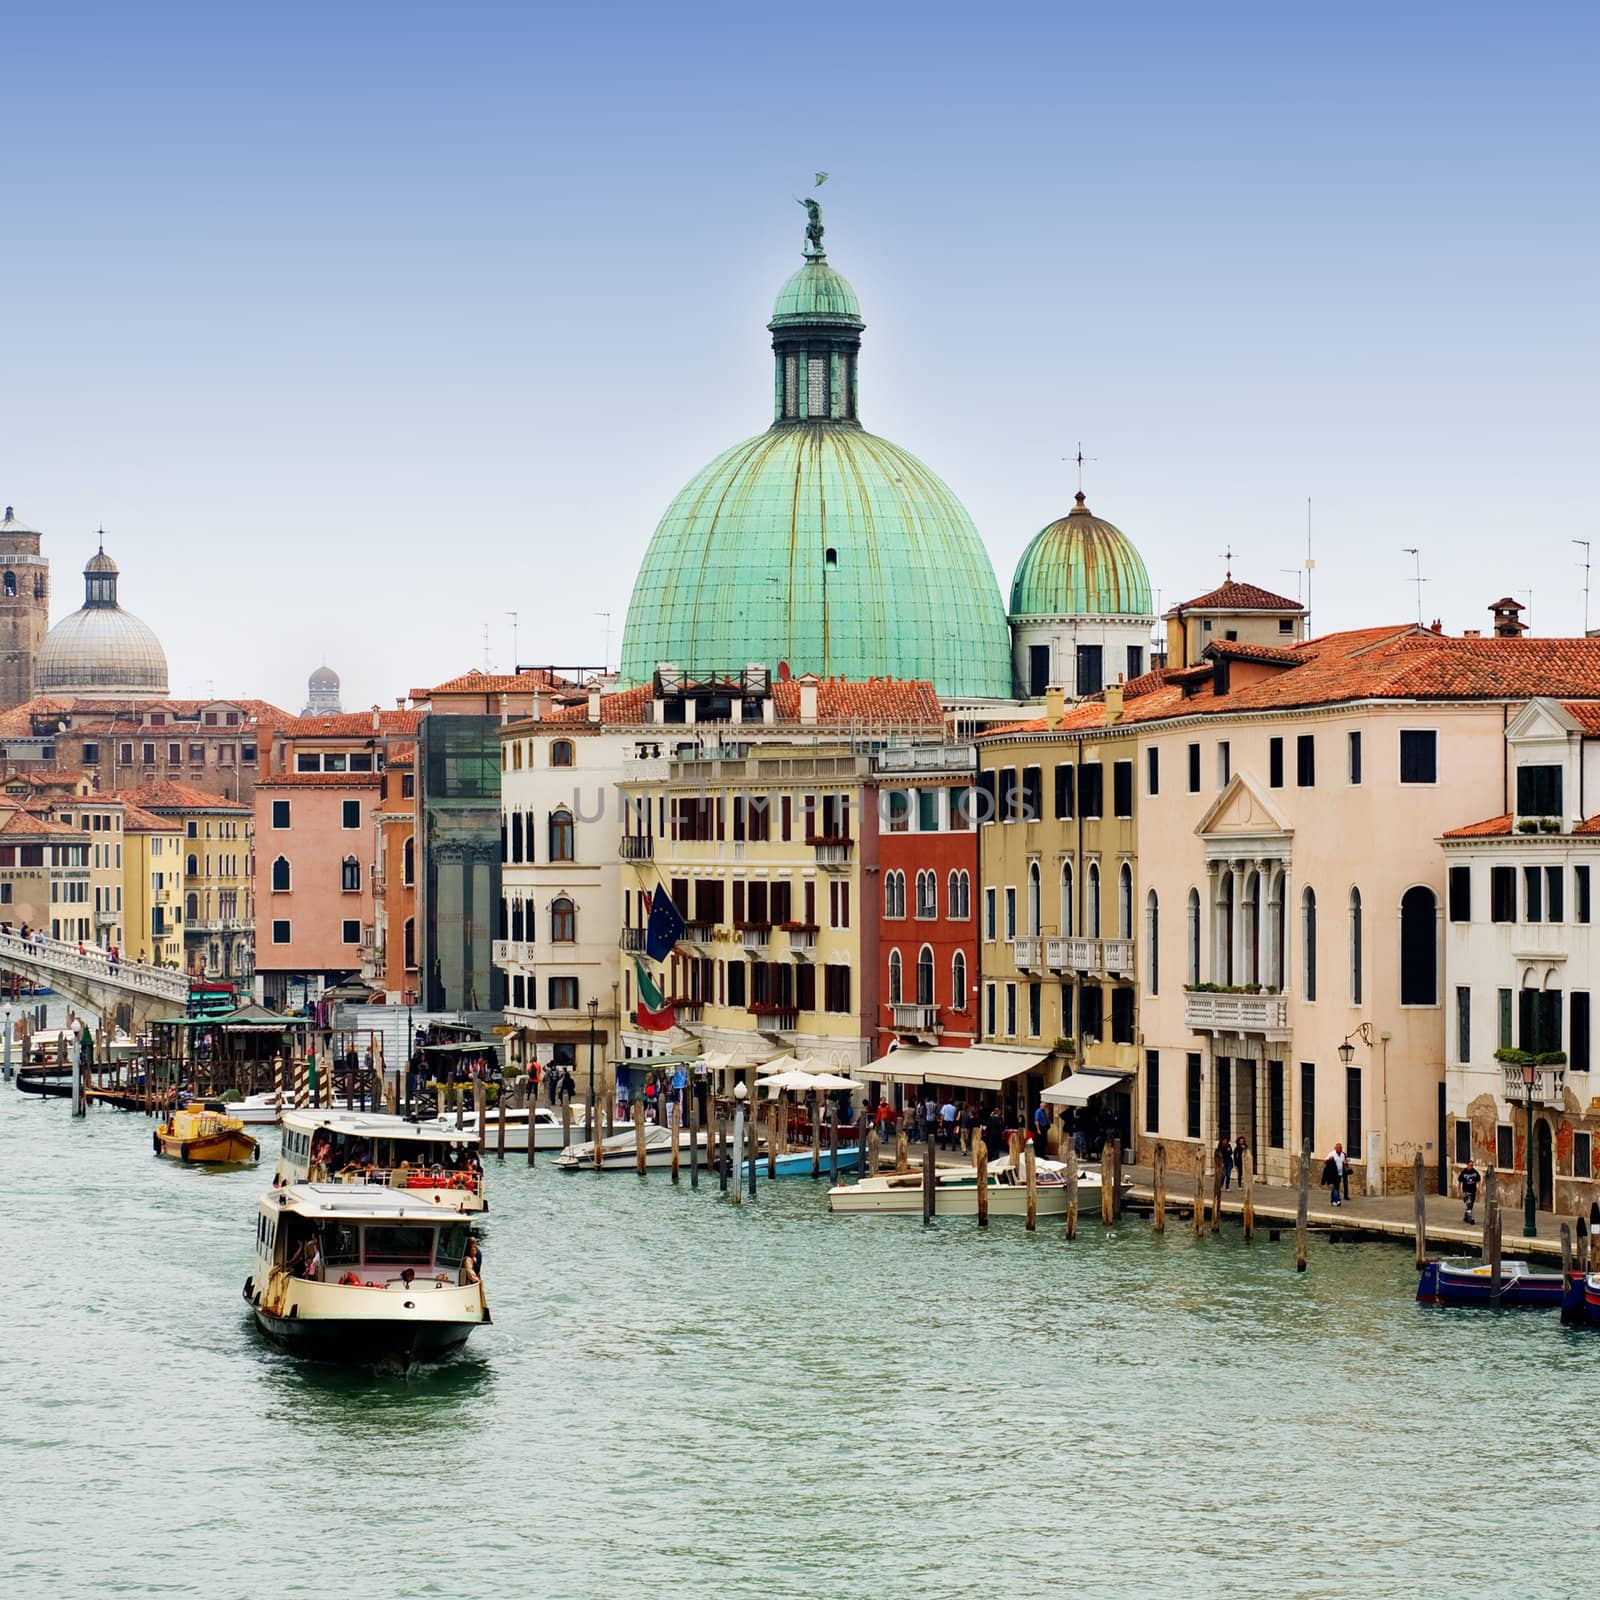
1522	964
394	967
100	818
44	875
322	693
153	887
218	870
24	607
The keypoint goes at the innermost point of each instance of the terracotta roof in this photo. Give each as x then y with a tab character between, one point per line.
1590	825
135	819
105	716
476	682
173	796
351	724
26	822
839	700
1146	683
53	779
1232	596
1241	650
626	705
1489	828
321	780
400	755
1586	716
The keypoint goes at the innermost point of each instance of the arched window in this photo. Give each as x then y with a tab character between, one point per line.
1068	905
1152	942
1033	897
964	883
408	861
927	895
888	894
894	894
192	907
193	867
1125	902
1419	948
1092	912
410	941
894	978
1308	942
925	976
350	875
1356	942
958	981
561	840
280	874
516	837
11	585
563	921
953	896
561	753
1192	956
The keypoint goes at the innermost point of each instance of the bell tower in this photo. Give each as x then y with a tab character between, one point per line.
24	607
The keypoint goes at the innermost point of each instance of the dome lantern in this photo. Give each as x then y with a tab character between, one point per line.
816	338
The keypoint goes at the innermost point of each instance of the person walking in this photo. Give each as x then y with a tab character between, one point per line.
1224	1154
1240	1152
947	1123
1041	1129
1333	1172
1468	1184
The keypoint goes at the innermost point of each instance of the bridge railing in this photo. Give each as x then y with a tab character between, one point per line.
56	955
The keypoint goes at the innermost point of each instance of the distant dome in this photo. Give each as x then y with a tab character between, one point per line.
322	692
101	651
1080	566
324	678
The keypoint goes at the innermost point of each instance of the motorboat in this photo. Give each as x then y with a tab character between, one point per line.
797	1163
202	1132
955	1191
1471	1283
432	1159
1580	1302
362	1274
620	1153
546	1124
260	1110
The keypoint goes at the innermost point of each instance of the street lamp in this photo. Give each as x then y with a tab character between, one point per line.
1347	1051
594	1013
1530	1224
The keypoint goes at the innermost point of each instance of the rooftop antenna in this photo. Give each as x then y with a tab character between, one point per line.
516	654
1310	568
1227	556
486	667
605	665
1416	554
1299	578
1529	592
1584	543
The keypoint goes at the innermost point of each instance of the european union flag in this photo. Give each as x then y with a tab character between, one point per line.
665	927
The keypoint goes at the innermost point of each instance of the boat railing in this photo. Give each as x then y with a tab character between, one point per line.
426	1178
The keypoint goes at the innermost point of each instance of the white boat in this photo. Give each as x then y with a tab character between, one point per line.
956	1191
620	1153
259	1110
362	1274
434	1160
546	1128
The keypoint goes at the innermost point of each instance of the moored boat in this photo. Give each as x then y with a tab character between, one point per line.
362	1274
203	1133
797	1163
546	1125
956	1191
620	1153
1580	1303
1470	1283
435	1159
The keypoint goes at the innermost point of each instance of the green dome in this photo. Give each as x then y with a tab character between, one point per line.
1080	566
816	293
735	572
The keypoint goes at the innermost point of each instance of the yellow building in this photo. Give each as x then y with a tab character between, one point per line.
153	887
88	909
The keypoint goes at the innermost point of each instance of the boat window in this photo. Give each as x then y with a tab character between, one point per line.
452	1244
402	1247
340	1242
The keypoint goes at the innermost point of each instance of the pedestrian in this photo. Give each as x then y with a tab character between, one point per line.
947	1123
1041	1128
1468	1183
1333	1172
1224	1154
930	1116
994	1133
964	1128
1240	1151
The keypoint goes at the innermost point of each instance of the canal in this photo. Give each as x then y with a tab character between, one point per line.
680	1396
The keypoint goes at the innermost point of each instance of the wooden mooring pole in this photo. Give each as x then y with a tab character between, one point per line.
638	1135
1107	1182
1030	1168
1072	1188
1420	1201
1158	1214
750	1153
1200	1195
694	1134
1566	1255
1216	1199
775	1131
980	1159
672	1124
566	1123
929	1184
1302	1207
737	1193
1247	1178
833	1150
902	1151
1495	1252
500	1130
816	1141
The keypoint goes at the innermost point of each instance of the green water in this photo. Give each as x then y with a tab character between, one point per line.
678	1396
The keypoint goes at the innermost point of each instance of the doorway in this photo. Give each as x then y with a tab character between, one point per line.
1544	1165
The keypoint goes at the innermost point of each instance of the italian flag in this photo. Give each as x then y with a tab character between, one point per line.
654	1012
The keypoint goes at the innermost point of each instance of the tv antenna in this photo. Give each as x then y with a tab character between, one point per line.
1584	545
605	664
1299	578
1416	554
516	655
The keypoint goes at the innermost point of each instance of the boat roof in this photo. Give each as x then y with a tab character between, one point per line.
374	1125
354	1202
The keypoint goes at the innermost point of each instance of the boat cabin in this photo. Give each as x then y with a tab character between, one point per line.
434	1159
358	1238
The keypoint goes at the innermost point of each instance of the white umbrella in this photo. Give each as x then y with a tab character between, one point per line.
830	1081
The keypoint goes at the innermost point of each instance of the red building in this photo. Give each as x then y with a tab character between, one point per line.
927	899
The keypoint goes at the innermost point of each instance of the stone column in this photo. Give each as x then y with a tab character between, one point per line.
1236	871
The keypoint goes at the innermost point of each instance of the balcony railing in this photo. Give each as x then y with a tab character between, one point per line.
915	1019
803	941
1207	1011
1116	957
1103	958
1028	953
631	941
833	855
637	847
1549	1085
773	1018
511	953
756	936
699	933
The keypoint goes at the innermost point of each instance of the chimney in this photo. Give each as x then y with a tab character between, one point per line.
1504	612
808	697
1113	704
1055	706
594	702
541	702
377	721
505	709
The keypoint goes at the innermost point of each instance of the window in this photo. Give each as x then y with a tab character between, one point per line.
1011	911
1092	910
1194	769
927	895
350	875
987	805
1135	661
1532	897
1091	669
960	897
91	753
958	981
1152	1091
836	989
560	832
351	814
1502	894
1305	761
1554	908
1066	1009
1353	756
899	818
1504	997
839	907
1352	1112
1275	1105
1419	948
1122	1014
1356	942
1539	791
1580	893
989	918
1308	1105
894	894
895	986
1192	1095
563	921
1152	770
125	754
1090	792
1224	763
280	874
1578	1032
352	930
175	754
1011	1010
1461	894
1505	1146
1122	789
927	810
1152	943
1308	942
1125	901
280	816
988	1011
280	928
1463	1142
1275	763
1064	787
1010	795
1032	794
408	860
925	976
1035	1005
561	753
1582	1155
564	994
1419	755
1463	1023
409	938
1033	897
1192	935
148	753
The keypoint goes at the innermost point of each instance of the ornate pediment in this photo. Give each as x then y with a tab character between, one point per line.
1242	811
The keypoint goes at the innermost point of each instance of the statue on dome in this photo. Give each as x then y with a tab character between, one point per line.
813	244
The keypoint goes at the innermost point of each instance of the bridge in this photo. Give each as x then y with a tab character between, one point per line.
92	981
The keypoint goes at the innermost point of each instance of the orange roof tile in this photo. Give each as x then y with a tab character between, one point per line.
1242	650
173	796
1586	716
1232	596
839	700
351	724
26	823
1489	828
135	819
476	682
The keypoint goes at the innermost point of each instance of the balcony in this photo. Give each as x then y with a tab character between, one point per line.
631	941
1028	953
1208	1011
775	1018
637	847
687	1010
1116	958
511	953
1549	1085
833	855
915	1019
1100	958
702	935
802	939
755	935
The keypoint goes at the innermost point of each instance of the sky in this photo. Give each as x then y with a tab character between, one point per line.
359	328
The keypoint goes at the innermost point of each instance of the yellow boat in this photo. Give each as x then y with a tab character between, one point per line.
204	1133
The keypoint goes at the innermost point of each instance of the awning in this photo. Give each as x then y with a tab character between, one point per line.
979	1067
1081	1088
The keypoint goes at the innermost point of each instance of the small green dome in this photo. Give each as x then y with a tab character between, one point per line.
1081	565
816	293
738	570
